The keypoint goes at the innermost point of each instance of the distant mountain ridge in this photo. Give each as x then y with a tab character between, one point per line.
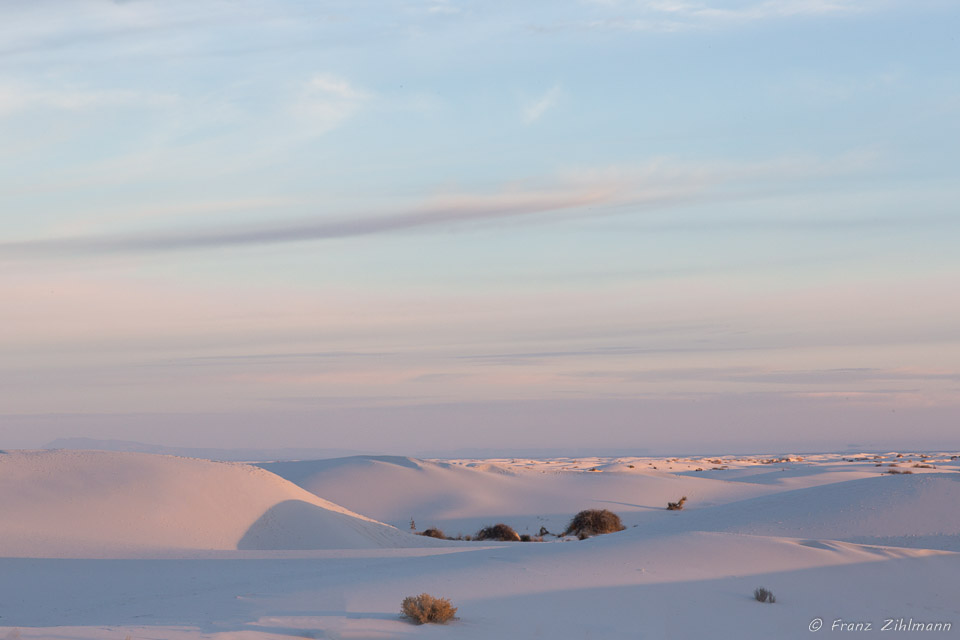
225	455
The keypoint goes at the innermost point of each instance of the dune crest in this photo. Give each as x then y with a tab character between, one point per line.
98	504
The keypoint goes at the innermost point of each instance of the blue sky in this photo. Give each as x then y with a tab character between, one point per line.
424	226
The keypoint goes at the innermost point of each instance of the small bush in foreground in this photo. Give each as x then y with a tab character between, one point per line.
433	532
763	595
676	506
898	471
501	532
592	522
425	608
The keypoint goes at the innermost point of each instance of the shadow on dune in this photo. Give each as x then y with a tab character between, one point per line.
297	471
630	504
295	524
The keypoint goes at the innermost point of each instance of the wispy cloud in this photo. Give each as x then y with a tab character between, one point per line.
703	11
443	7
593	192
533	111
678	15
326	101
19	97
752	375
443	212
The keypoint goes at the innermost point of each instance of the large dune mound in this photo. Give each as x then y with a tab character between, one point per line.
921	511
98	504
460	498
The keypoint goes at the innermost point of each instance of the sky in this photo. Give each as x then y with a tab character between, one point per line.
442	226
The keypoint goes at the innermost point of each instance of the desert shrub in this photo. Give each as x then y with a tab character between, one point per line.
761	594
676	506
425	608
898	471
502	532
433	532
592	522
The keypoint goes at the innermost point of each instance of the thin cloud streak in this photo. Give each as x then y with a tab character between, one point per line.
535	110
753	375
471	210
610	191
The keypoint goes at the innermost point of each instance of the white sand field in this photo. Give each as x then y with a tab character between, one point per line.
101	545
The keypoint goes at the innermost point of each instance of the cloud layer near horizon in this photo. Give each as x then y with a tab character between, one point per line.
500	223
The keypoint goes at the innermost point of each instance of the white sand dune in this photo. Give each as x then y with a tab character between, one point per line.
103	504
258	558
920	511
462	497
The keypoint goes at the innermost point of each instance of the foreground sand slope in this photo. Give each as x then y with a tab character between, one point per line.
622	586
106	504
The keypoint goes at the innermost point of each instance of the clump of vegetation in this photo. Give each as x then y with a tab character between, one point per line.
676	506
924	466
425	608
501	532
898	471
592	522
760	594
433	532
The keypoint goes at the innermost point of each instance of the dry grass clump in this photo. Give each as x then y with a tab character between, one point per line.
433	532
676	506
501	532
898	471
761	594
425	608
592	522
